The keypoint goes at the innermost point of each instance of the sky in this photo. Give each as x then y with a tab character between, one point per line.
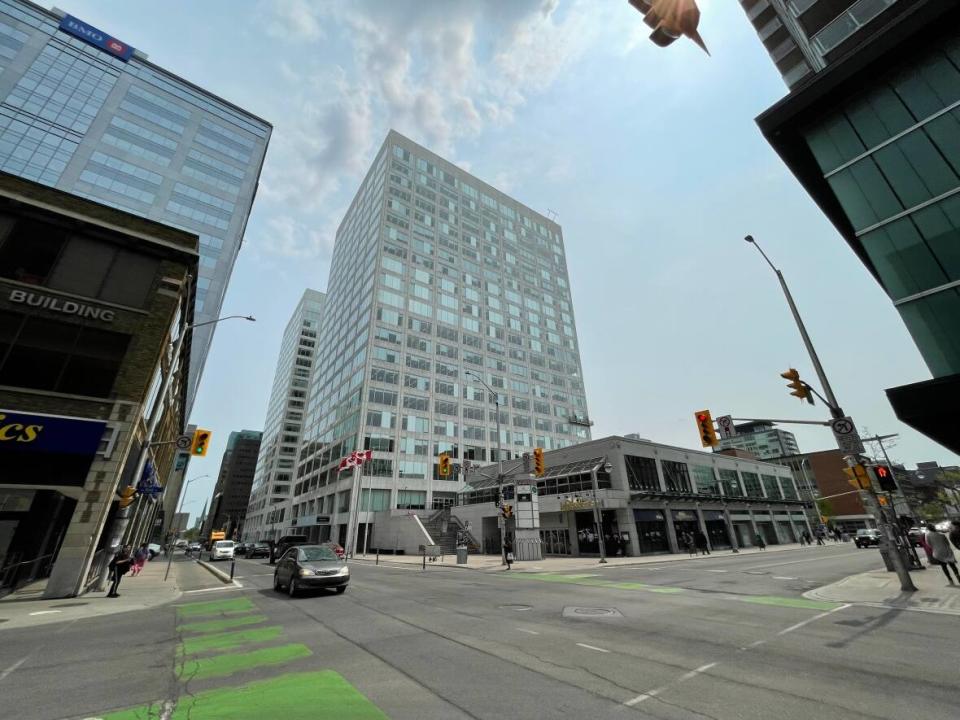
650	158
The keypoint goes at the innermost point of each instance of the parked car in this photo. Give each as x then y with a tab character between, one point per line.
865	538
307	567
222	550
259	549
153	549
181	543
240	549
284	544
193	547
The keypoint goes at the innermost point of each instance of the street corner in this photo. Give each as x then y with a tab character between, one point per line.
882	589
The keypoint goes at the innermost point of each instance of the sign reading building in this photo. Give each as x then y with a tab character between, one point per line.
56	304
98	38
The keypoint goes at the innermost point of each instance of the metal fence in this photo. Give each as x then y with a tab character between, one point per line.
18	574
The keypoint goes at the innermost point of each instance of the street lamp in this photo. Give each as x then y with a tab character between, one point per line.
597	515
183	494
501	520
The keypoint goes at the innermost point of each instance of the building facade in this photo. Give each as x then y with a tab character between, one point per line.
820	476
101	121
763	439
436	278
90	299
270	496
651	495
804	36
871	138
231	495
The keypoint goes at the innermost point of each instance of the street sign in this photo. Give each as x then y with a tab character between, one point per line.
184	442
727	428
846	435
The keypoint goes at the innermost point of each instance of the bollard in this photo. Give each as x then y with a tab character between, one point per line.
378	556
424	559
232	565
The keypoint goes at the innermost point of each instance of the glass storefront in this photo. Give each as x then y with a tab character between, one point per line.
651	531
556	542
716	529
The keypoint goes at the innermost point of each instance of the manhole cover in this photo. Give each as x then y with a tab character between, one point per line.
517	608
591	612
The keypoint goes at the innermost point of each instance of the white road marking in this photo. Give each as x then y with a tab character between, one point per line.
755	643
213	589
592	647
13	667
528	632
794	562
716	571
782	577
813	619
46	612
656	691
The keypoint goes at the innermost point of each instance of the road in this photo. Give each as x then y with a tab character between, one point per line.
726	637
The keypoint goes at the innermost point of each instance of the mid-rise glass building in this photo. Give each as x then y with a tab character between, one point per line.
763	439
86	113
873	137
436	276
272	483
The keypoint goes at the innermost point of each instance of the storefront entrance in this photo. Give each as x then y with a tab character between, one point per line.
716	529
587	540
651	531
556	542
685	521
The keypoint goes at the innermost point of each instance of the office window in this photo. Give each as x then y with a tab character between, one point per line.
772	487
730	482
705	480
676	475
751	482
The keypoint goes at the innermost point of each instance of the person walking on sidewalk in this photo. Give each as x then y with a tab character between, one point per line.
139	560
760	542
703	547
508	551
119	567
940	553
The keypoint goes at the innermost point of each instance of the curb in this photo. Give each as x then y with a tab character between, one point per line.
820	594
216	572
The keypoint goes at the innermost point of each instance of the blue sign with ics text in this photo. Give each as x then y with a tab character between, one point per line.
97	38
22	432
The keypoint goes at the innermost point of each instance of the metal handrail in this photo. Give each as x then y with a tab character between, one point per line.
26	562
10	574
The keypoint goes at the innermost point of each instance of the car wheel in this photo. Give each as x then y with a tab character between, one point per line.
276	582
341	590
292	587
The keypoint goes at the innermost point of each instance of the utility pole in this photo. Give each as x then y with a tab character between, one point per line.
896	559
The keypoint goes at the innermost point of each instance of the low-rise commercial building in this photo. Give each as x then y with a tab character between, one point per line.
89	299
839	503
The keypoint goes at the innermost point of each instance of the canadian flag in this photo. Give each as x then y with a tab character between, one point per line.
355	459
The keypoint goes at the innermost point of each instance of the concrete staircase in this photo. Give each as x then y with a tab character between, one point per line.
444	528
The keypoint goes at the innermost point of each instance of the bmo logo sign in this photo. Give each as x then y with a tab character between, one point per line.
98	38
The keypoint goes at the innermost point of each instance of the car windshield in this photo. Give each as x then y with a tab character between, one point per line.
314	554
221	544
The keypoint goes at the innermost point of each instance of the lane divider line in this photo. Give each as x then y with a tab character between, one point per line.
592	647
656	691
528	632
813	619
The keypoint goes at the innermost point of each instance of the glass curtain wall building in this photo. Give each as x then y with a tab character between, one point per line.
763	439
436	275
874	139
272	482
129	134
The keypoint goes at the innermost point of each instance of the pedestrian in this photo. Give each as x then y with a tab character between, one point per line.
139	560
954	534
702	545
119	567
820	535
939	552
508	552
759	541
836	534
686	538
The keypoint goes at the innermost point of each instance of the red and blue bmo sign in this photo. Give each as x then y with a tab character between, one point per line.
98	38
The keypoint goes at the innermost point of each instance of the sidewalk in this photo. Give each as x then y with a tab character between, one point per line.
880	588
26	607
491	563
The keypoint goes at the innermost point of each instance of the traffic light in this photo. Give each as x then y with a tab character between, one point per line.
508	511
127	496
885	478
539	467
858	477
526	462
708	435
670	19
444	467
799	387
201	442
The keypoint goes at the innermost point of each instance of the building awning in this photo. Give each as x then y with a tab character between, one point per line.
930	407
669	495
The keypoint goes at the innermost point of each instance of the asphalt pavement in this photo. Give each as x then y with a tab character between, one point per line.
726	637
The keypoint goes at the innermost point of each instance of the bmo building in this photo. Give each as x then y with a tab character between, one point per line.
90	297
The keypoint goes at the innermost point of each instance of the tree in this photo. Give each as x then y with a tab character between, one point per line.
825	508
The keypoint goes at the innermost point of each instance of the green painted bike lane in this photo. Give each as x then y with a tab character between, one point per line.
234	626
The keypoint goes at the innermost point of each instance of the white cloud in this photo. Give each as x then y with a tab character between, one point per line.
293	18
290	238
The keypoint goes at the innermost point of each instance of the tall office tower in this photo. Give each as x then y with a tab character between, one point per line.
873	138
270	496
803	37
86	113
231	495
435	276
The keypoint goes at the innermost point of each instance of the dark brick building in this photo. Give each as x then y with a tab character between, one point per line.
228	507
89	299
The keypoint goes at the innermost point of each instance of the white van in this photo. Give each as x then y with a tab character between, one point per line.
222	550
